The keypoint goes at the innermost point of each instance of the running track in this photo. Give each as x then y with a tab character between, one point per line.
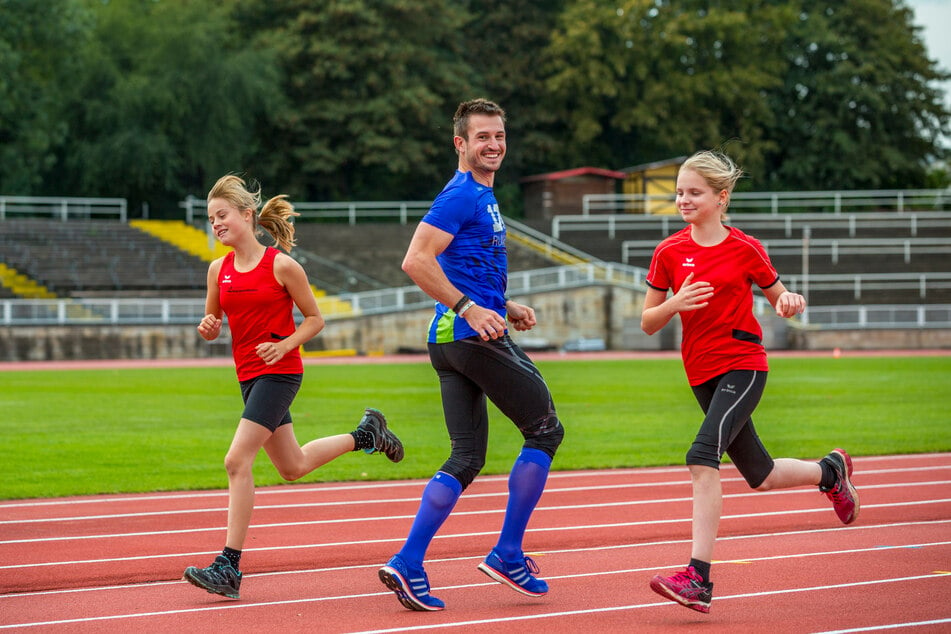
784	563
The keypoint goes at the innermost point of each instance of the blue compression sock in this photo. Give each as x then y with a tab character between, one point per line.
439	498
526	484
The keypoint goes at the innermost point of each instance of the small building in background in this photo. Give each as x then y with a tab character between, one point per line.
554	193
653	186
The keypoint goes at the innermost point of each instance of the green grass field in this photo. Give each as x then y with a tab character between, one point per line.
109	431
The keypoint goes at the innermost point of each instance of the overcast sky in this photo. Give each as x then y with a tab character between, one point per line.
935	17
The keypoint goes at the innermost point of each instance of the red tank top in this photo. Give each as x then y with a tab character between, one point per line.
259	310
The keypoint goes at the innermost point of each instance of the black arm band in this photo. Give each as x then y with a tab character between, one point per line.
460	304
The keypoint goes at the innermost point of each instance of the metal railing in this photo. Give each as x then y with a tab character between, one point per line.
878	317
904	224
863	283
171	311
831	247
63	208
351	212
836	202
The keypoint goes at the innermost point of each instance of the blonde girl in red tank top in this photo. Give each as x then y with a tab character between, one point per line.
257	288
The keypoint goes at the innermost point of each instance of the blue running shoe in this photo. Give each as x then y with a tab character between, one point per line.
411	585
517	575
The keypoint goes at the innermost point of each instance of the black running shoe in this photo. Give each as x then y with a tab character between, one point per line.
383	439
218	578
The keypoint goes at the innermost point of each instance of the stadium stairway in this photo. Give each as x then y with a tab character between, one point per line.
22	286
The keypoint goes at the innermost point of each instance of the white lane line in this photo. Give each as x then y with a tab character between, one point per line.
507	619
401	538
540	510
549	493
419	484
562	551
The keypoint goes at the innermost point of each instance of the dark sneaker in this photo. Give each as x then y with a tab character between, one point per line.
411	585
686	588
516	575
845	499
383	439
218	578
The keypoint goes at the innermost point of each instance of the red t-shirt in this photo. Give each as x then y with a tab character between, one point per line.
259	309
724	335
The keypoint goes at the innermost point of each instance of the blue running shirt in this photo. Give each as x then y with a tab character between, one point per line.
475	261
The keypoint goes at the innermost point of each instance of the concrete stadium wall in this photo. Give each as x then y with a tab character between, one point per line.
597	312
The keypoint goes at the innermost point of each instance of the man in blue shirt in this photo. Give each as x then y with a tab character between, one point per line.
457	256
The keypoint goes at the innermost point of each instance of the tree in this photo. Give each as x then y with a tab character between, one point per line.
856	108
371	89
643	80
807	94
167	102
35	80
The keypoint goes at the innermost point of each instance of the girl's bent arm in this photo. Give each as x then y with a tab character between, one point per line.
656	312
291	274
785	303
210	326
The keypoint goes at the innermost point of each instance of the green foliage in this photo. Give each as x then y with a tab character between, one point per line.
371	87
153	100
644	80
858	84
108	431
35	78
167	101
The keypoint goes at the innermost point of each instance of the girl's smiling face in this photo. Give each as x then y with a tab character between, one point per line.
228	223
696	200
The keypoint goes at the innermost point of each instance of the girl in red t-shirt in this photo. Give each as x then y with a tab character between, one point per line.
710	268
257	288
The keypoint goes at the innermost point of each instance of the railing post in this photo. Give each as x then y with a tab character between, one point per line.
806	231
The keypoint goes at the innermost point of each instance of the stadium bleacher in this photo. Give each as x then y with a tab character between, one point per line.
855	258
108	258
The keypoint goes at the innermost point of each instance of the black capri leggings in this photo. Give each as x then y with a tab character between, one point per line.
472	369
728	402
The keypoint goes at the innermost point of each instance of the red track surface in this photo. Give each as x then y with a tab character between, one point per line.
784	563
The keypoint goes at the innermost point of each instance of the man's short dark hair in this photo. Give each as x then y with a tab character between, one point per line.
460	120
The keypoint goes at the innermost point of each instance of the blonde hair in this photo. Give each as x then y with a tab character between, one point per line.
274	217
717	169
